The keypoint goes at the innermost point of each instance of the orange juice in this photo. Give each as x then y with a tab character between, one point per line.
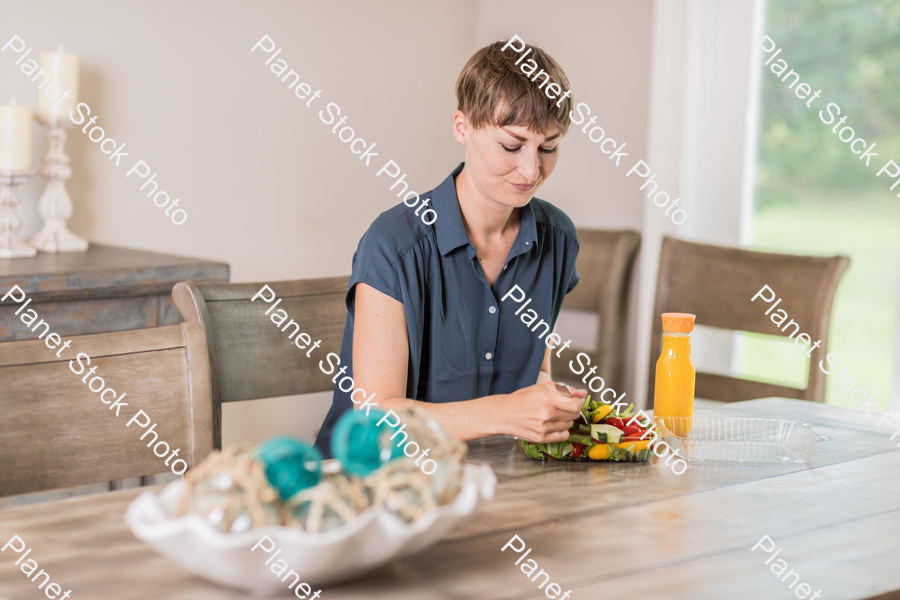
674	391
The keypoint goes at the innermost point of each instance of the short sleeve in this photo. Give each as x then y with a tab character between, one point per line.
572	250
375	264
573	280
563	238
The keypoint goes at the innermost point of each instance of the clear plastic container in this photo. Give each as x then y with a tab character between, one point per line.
739	439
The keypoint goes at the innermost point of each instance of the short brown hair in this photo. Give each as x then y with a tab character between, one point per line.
493	90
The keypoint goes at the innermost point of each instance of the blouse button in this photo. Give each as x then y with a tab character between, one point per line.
488	356
492	309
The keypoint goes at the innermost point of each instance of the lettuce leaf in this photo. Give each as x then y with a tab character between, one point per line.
558	449
531	449
575	438
627	413
616	453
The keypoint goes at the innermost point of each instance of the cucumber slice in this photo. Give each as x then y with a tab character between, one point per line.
612	435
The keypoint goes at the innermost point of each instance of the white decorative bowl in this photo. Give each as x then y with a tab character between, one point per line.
372	539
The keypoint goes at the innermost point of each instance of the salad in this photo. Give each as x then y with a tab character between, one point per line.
600	434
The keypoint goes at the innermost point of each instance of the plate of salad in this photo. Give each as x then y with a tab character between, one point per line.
600	433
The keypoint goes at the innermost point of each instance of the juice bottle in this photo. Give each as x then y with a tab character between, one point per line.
674	391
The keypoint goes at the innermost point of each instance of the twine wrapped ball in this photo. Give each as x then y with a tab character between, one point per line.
446	450
243	487
402	487
230	491
334	502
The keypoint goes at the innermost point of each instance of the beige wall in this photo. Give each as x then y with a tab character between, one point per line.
267	187
605	48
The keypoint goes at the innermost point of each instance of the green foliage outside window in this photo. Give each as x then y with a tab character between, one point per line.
814	196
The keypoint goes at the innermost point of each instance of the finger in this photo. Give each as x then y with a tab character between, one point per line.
559	422
556	436
568	405
567	413
558	426
563	389
546	437
560	401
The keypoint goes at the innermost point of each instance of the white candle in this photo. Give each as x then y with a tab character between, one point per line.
15	137
63	70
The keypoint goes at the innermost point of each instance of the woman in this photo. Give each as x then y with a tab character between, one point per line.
427	320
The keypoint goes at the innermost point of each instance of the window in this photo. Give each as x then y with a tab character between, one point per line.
814	196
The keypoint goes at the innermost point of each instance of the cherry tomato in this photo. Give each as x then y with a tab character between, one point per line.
632	430
615	422
578	449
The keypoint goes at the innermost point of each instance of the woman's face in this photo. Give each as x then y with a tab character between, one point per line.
507	164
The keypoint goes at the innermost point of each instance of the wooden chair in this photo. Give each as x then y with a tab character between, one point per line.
717	283
55	432
605	261
250	357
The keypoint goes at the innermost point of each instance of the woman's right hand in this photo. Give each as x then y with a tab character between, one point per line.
539	413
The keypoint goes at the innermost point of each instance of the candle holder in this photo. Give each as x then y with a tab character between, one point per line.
10	245
55	206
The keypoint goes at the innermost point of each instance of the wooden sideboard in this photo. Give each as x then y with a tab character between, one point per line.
104	289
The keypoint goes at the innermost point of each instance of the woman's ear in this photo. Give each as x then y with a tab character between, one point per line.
460	127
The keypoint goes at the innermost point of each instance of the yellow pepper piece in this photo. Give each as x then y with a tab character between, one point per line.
601	413
641	445
599	452
633	447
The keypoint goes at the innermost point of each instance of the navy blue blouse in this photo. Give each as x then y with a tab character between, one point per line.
464	342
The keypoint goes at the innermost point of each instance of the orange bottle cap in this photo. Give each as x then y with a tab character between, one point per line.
678	322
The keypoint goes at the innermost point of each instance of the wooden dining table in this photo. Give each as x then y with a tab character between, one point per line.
600	530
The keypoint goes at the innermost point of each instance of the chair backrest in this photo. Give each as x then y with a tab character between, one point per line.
250	357
605	260
55	432
717	283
